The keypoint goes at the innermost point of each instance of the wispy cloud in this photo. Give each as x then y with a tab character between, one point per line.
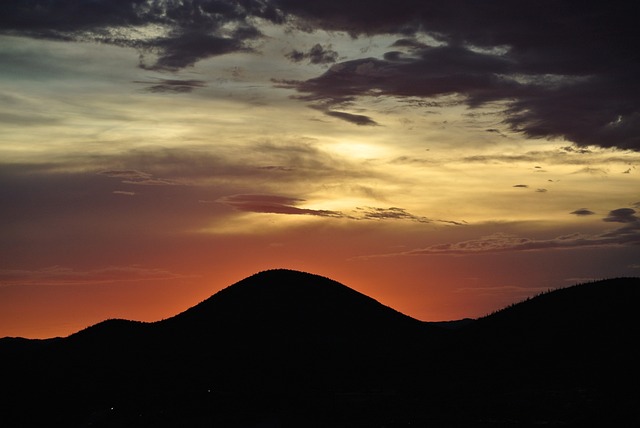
61	275
273	204
391	213
397	213
139	178
573	81
318	54
503	242
172	85
550	89
499	243
357	119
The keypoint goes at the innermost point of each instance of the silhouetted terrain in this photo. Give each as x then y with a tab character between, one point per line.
285	348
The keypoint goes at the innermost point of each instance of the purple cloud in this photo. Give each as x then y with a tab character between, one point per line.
273	204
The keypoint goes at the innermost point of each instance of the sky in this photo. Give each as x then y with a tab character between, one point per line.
445	158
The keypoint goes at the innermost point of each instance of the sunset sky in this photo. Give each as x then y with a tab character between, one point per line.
447	158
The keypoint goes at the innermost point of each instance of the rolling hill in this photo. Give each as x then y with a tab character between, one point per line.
286	348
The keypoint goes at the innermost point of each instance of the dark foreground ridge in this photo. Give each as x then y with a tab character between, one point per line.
284	348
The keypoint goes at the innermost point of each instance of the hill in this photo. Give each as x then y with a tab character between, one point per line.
285	348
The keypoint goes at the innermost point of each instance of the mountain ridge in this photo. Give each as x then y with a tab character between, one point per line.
287	348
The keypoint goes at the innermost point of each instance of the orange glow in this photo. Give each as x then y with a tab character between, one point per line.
445	180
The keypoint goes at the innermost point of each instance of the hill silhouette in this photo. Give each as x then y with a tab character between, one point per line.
286	348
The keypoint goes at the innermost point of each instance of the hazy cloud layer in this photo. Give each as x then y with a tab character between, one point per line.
276	204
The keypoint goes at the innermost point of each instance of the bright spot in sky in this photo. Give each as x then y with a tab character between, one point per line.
358	150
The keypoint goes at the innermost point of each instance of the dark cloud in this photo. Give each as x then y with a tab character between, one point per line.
582	212
185	48
318	54
521	185
357	119
273	204
573	80
568	107
436	71
172	85
561	69
572	149
627	235
393	213
194	30
622	215
396	213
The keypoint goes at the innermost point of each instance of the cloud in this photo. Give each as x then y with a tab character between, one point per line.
183	48
273	204
622	215
178	33
537	105
500	243
357	119
573	81
521	185
172	85
276	204
139	178
394	213
503	242
582	212
318	54
60	275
